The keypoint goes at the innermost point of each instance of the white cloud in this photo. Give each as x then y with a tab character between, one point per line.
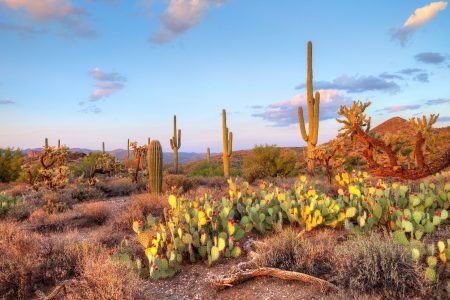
420	16
107	83
70	17
180	16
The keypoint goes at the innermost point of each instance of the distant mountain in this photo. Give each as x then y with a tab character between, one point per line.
183	157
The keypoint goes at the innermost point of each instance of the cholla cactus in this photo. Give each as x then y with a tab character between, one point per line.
423	129
356	122
54	172
326	156
139	152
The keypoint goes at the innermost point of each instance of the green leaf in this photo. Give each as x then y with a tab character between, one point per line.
400	238
378	211
407	225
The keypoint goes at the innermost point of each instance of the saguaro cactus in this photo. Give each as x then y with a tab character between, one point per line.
208	155
227	138
59	144
128	149
46	143
155	166
313	113
175	143
103	147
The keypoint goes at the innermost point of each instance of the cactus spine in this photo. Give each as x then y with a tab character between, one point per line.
155	164
227	138
175	143
208	155
313	113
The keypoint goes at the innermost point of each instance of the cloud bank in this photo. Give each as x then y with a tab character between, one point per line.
71	18
6	101
430	57
357	84
284	113
420	17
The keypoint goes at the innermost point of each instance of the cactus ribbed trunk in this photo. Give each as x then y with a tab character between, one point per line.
155	166
227	140
128	149
175	143
313	114
208	155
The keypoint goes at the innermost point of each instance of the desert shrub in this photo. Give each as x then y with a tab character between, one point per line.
6	203
83	215
207	169
269	161
10	164
288	251
211	182
30	262
375	263
178	182
85	166
140	207
119	187
83	192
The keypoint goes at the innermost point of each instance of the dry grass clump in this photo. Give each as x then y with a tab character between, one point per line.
98	277
83	215
287	250
376	264
82	192
29	262
119	187
140	207
178	183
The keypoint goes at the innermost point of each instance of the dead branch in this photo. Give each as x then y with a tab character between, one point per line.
241	276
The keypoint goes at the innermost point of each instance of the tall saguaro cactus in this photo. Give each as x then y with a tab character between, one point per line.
46	143
175	143
208	155
155	166
103	147
227	138
128	149
313	113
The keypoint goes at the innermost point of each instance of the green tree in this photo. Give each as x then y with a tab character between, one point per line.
269	161
10	164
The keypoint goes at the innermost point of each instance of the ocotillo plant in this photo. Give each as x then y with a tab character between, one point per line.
313	113
175	143
227	138
208	155
155	165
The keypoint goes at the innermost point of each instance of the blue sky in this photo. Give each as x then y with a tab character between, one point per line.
88	71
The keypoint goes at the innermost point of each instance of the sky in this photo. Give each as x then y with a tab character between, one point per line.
87	71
